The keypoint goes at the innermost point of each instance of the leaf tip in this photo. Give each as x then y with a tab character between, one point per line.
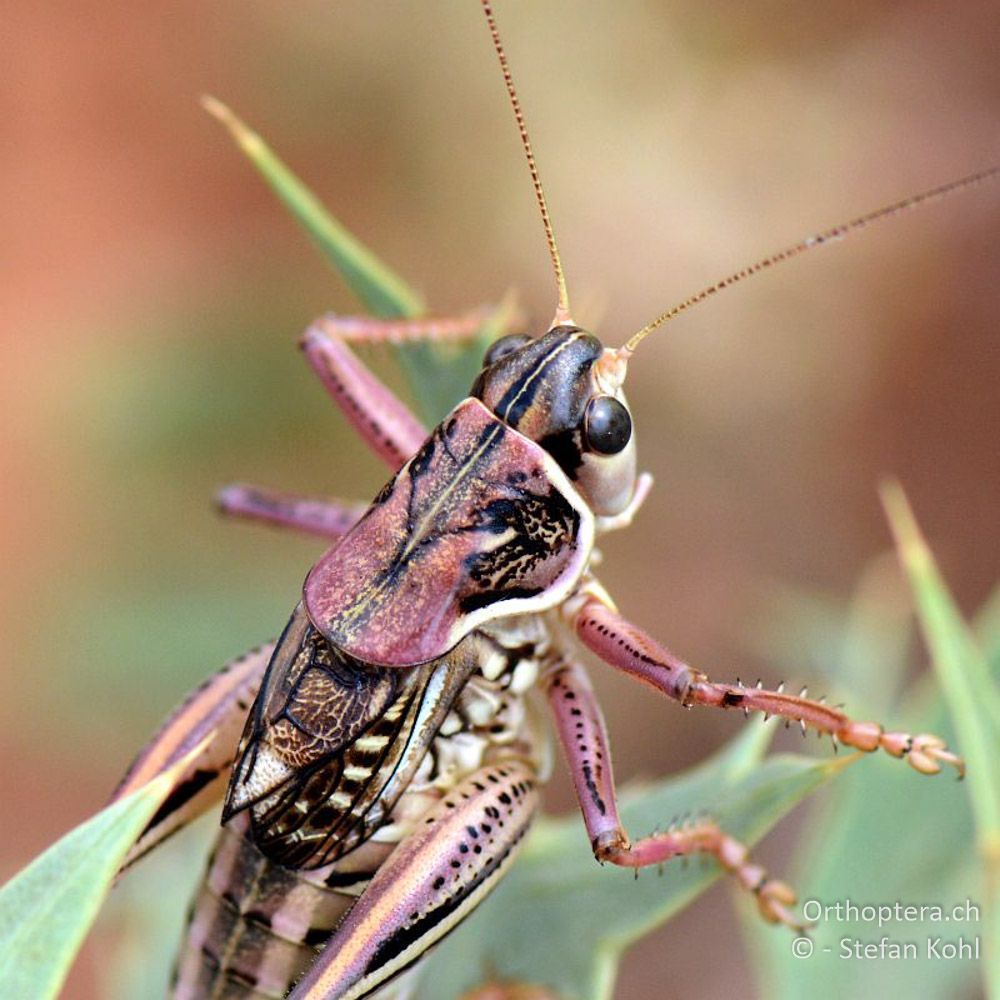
903	524
894	502
835	765
217	109
236	127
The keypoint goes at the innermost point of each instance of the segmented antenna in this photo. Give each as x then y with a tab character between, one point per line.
562	310
809	243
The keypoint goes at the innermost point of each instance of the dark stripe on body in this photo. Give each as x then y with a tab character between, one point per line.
397	943
368	601
183	794
519	397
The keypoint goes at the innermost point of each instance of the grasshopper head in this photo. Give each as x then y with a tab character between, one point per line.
563	390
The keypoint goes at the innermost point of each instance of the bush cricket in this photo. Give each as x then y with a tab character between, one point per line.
388	768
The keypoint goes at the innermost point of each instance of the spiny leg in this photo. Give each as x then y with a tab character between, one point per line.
437	874
500	989
327	518
442	329
626	647
380	417
217	708
583	736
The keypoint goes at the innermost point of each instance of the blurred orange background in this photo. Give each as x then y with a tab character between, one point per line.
153	291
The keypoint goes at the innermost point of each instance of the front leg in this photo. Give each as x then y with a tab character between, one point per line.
626	647
384	422
442	870
583	736
381	418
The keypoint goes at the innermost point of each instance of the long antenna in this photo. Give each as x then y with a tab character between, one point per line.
562	310
809	243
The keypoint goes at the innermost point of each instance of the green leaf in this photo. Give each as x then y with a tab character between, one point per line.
382	291
561	920
882	834
438	374
146	914
47	909
973	697
973	701
987	628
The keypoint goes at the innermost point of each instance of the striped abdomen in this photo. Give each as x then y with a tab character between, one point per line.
255	926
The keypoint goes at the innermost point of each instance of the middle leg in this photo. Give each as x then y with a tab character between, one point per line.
384	422
583	736
328	518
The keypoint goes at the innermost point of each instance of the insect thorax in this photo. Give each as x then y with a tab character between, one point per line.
491	716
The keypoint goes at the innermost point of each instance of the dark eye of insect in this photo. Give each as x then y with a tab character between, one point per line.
504	346
607	426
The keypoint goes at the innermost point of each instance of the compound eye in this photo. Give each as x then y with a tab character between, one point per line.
607	426
504	346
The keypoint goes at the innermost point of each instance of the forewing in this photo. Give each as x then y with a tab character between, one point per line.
319	744
480	523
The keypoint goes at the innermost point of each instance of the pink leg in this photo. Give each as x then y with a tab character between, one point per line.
366	330
326	518
582	733
437	874
627	648
507	989
383	420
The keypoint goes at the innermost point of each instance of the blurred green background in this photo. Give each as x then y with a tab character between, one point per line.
153	290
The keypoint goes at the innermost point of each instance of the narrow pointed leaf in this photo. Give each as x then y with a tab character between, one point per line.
382	291
971	692
47	909
973	700
438	374
882	834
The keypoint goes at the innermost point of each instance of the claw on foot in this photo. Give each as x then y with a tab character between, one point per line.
774	900
925	753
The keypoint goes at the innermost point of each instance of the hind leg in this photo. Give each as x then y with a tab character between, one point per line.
216	709
458	851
